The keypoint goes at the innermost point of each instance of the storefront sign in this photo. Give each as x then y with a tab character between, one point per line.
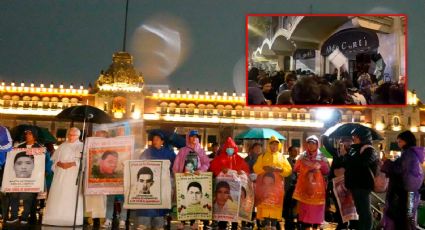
304	54
352	40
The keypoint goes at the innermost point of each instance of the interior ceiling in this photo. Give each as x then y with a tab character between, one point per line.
317	29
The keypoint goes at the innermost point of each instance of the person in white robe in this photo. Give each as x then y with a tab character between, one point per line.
60	205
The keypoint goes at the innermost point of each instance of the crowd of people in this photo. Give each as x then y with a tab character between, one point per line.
306	180
307	88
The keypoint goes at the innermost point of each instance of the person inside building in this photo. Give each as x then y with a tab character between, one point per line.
284	95
310	190
255	94
194	153
154	218
305	92
269	94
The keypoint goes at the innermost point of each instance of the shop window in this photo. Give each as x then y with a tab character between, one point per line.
396	121
212	139
296	142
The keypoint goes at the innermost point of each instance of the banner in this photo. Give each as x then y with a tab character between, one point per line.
345	200
121	128
194	196
246	202
24	170
105	164
227	193
147	184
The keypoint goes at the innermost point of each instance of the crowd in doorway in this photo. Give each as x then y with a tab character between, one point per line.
307	88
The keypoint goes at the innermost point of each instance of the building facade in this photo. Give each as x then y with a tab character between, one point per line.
120	92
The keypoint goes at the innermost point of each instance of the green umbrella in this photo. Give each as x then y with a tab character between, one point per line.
259	133
325	152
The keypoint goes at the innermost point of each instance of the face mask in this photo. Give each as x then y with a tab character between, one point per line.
230	151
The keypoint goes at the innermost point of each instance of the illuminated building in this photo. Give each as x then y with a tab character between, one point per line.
120	92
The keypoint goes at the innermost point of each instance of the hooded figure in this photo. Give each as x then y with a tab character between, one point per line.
312	167
229	159
192	155
271	164
406	177
360	163
156	153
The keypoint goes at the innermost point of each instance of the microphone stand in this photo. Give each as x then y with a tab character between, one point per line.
80	167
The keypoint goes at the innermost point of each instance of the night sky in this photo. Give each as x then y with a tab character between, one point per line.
71	41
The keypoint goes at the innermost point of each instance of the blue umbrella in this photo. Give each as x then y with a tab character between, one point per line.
259	133
6	144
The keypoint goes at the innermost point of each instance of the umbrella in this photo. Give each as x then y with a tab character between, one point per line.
43	134
5	144
259	133
170	137
325	152
344	130
84	113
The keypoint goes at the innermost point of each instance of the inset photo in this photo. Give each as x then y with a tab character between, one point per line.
329	60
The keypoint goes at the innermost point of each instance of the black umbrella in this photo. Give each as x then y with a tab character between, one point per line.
43	134
85	113
344	130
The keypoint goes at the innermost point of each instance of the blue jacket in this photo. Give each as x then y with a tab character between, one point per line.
156	154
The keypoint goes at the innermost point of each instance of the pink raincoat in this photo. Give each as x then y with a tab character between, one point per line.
203	160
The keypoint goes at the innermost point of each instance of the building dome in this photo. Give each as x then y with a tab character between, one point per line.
121	75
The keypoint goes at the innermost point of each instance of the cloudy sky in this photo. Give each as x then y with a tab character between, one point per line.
202	45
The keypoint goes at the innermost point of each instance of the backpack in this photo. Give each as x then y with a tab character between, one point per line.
380	180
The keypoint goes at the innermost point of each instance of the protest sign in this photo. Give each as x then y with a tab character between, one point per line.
147	184
105	164
24	170
345	201
194	196
226	197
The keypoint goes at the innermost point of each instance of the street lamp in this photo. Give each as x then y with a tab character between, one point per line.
329	117
324	114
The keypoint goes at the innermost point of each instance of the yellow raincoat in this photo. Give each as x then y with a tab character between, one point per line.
275	159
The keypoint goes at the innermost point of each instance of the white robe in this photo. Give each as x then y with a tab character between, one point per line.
60	205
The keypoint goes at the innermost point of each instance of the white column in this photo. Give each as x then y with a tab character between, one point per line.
281	62
318	63
397	29
292	65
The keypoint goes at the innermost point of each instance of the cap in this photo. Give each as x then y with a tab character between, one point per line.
193	133
312	138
